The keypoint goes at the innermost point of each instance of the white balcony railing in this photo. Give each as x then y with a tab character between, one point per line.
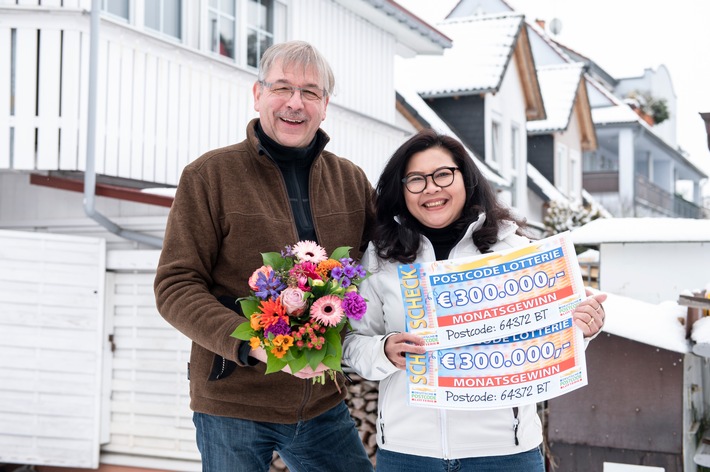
159	105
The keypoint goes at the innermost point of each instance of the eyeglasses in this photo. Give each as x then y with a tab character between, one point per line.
286	91
442	177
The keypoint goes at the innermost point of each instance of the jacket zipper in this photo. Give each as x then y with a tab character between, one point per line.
224	366
444	437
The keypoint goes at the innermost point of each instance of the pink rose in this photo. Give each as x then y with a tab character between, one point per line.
266	270
292	299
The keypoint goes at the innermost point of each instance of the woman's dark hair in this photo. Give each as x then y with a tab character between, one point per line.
400	240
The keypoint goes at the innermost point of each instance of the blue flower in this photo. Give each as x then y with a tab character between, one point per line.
269	286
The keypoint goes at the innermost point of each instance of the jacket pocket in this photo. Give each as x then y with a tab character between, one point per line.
221	368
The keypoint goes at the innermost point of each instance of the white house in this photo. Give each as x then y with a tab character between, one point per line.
102	101
485	89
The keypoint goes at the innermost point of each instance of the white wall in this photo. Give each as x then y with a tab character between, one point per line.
653	272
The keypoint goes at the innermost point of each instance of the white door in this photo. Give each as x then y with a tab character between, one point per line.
51	348
150	413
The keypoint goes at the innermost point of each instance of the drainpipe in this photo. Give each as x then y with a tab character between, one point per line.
90	173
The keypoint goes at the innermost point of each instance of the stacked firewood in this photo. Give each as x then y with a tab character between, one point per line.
362	401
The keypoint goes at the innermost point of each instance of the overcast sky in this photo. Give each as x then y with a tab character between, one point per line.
625	37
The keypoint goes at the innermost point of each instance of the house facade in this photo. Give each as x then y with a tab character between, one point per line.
636	168
105	102
485	90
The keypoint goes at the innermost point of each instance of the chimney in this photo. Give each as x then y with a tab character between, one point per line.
540	23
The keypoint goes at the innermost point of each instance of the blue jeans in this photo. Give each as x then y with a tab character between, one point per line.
531	461
328	443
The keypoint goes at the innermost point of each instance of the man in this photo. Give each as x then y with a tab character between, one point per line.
273	189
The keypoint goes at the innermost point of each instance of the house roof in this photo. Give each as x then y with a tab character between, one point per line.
543	187
422	116
559	85
416	35
476	64
642	230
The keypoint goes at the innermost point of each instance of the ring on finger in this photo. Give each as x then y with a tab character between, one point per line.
591	322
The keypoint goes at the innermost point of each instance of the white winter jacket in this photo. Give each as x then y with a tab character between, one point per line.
440	433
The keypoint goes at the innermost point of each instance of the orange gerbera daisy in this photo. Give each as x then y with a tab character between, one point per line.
271	312
326	266
281	344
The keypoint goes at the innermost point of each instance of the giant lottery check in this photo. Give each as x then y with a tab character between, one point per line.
465	301
523	368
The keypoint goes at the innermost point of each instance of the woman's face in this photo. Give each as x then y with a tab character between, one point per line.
435	207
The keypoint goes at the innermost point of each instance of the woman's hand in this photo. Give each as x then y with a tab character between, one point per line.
397	345
589	314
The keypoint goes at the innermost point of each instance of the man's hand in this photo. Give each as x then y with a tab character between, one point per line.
306	373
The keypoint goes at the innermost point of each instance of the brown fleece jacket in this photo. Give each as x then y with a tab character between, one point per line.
230	206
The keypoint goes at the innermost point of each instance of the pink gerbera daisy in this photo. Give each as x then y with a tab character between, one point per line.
327	310
308	251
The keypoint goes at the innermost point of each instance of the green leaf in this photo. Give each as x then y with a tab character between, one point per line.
249	305
332	362
315	357
332	338
340	252
273	363
298	363
273	259
244	332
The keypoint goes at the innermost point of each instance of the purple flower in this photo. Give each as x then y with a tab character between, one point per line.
280	327
268	286
348	272
354	305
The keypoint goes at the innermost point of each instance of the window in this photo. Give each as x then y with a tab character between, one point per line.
116	7
562	169
514	147
164	16
495	143
575	173
260	27
222	27
244	29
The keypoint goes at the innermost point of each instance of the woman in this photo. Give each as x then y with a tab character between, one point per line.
433	203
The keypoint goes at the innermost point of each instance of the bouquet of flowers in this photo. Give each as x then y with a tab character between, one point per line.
301	300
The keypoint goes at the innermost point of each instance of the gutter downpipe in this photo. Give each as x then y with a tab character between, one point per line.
90	172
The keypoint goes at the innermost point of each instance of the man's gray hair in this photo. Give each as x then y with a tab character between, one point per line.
298	54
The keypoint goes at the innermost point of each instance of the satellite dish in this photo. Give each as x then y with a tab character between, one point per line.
555	26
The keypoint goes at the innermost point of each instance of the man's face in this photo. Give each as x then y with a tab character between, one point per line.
291	121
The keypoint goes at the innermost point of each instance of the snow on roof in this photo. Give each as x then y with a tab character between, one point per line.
545	185
437	124
639	230
482	48
661	325
614	114
559	84
166	192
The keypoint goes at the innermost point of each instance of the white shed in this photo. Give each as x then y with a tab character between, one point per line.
649	259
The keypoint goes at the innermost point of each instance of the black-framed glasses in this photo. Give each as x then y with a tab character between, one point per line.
282	90
442	177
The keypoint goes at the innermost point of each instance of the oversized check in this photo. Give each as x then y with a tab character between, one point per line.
519	369
466	301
